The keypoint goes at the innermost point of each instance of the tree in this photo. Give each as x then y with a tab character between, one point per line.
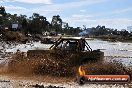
38	24
2	11
24	26
56	24
124	33
65	27
2	15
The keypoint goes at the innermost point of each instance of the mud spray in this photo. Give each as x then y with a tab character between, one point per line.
19	64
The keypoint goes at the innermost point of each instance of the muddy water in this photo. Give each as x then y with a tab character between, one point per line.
118	51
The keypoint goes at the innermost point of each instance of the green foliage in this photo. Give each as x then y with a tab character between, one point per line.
102	30
56	24
2	11
37	24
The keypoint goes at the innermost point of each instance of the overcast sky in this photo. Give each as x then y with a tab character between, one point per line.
111	13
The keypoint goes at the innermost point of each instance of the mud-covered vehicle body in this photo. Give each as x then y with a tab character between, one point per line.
72	50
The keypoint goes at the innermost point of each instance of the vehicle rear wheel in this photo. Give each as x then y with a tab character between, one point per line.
81	80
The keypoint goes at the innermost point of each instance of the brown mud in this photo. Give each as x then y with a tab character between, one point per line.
20	67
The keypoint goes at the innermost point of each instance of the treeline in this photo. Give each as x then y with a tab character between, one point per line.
38	24
102	30
108	33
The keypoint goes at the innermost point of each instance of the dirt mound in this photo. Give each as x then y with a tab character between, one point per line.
13	36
